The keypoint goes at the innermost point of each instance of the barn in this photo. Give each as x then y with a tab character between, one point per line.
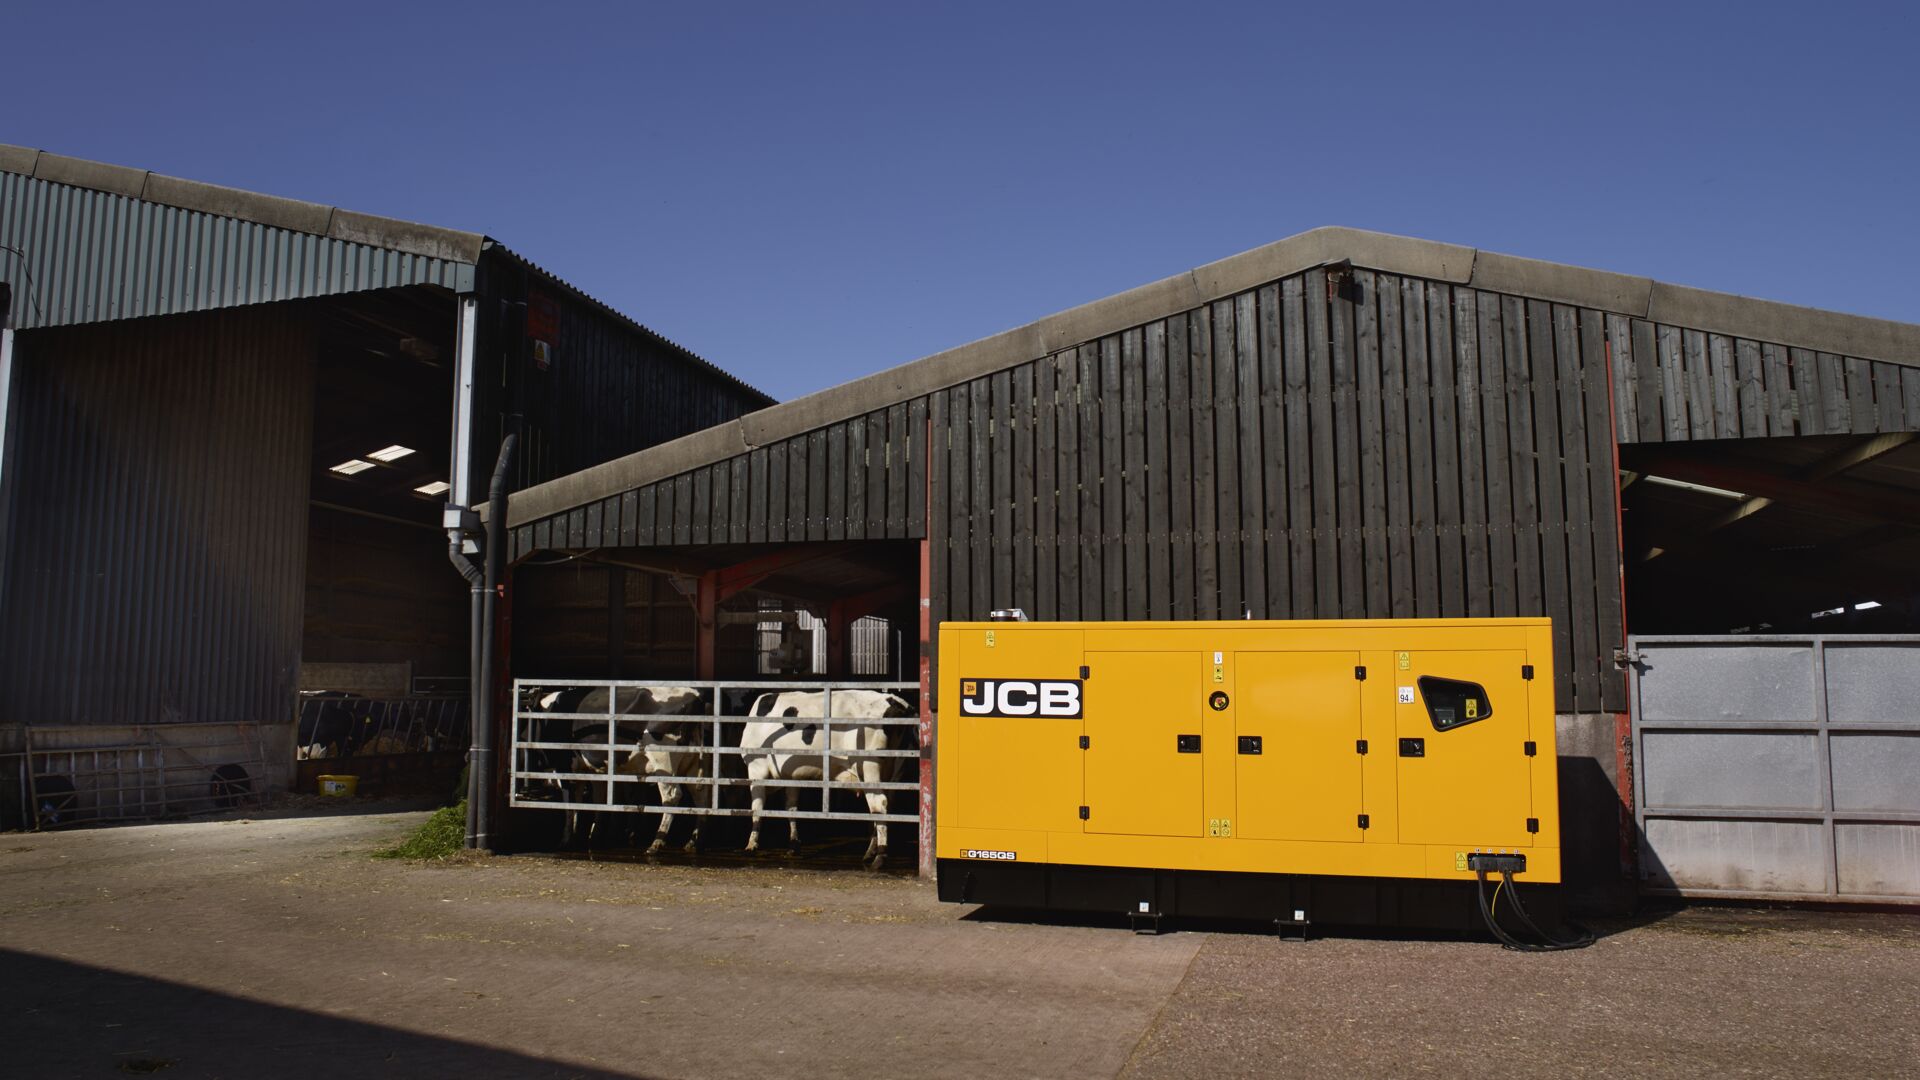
1715	499
232	423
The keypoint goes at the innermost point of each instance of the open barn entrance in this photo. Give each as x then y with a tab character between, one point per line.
1807	534
835	624
383	674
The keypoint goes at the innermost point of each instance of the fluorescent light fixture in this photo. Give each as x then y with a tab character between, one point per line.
1829	611
438	487
1702	488
391	453
348	468
1866	605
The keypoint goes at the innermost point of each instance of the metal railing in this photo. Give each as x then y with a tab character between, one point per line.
169	770
530	764
411	724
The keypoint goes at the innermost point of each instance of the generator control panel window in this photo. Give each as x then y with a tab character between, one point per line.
1452	703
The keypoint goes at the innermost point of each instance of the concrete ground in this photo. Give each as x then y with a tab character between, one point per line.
277	947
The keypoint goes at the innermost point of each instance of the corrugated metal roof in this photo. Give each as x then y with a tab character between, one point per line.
556	281
84	241
77	255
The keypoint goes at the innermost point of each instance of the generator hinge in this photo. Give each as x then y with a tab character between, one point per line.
1359	746
1365	821
1526	672
1529	745
1533	824
1085	672
1085	742
1083	813
1360	672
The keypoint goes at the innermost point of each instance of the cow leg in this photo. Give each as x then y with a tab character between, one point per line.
876	804
756	771
793	824
693	842
669	797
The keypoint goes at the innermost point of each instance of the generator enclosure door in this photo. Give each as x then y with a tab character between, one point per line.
1382	749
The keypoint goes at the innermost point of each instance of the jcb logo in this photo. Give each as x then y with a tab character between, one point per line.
1057	699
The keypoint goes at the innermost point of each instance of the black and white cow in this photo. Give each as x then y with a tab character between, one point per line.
655	746
776	750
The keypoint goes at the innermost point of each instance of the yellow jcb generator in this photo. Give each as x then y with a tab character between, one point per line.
1387	773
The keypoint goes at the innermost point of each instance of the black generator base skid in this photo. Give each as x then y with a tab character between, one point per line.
1294	901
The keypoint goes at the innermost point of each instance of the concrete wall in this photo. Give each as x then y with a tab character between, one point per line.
1592	814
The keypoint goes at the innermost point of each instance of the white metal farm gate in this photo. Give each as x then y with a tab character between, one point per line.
1778	767
541	780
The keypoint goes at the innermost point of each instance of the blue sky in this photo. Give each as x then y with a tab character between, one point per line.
805	193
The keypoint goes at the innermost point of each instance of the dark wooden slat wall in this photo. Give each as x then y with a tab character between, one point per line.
1672	384
1391	447
1276	453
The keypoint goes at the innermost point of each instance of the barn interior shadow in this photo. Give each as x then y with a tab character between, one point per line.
61	1019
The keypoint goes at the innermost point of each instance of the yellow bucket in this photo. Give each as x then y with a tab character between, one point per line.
339	785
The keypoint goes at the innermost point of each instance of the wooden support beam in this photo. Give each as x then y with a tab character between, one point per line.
843	613
1865	502
1860	454
721	584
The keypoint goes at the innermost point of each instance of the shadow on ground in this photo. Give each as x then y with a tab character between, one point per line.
1600	928
60	1019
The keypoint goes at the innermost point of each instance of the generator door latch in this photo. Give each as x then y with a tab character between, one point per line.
1083	813
1250	744
1359	746
1365	821
1413	748
1085	742
1189	744
1360	672
1531	748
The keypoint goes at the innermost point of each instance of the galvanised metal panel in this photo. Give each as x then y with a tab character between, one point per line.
1873	684
1876	772
1748	683
1773	766
157	544
75	255
1879	860
1710	856
1756	769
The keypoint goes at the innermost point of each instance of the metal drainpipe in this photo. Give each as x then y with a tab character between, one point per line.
476	603
6	395
458	518
480	760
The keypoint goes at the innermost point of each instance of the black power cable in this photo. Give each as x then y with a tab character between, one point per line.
1583	938
1547	942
